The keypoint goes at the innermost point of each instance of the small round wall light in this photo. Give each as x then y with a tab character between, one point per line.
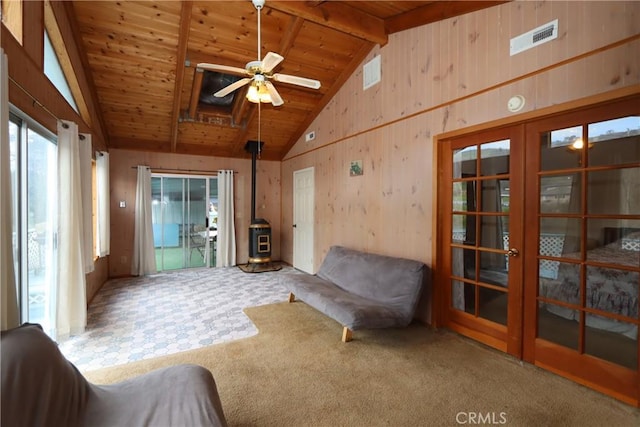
516	103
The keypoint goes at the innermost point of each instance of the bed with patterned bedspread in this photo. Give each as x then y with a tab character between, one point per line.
611	290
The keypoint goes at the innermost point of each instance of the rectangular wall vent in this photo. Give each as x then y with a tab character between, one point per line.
371	73
535	37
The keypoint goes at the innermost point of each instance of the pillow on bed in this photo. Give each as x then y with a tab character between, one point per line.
633	236
631	242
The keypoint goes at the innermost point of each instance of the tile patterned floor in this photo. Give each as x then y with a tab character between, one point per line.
143	317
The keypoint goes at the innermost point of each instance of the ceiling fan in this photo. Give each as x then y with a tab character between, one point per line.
260	74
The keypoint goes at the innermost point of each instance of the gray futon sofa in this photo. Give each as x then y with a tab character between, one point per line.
360	290
41	388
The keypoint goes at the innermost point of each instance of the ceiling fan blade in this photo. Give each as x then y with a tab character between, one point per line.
276	99
233	86
270	61
295	80
222	68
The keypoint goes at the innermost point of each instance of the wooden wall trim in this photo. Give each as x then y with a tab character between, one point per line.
615	95
546	111
511	119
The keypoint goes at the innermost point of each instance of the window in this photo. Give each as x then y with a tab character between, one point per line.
53	70
58	67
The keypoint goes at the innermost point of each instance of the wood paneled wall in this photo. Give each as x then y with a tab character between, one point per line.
123	188
444	78
26	69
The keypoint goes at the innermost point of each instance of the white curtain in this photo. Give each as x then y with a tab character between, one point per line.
144	257
226	240
71	300
87	200
9	314
103	214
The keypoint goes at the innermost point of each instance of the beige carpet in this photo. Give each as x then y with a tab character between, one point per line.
297	372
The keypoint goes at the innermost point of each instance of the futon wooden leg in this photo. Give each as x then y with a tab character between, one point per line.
347	334
292	297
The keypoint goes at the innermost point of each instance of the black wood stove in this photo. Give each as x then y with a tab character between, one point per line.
259	230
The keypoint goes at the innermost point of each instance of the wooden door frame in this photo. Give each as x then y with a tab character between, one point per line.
592	372
485	331
440	305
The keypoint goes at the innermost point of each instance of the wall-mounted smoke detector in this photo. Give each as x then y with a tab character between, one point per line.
371	73
535	37
516	103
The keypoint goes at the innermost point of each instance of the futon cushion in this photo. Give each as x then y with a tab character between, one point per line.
392	281
39	386
361	290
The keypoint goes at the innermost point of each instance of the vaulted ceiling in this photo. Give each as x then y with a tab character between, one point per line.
142	58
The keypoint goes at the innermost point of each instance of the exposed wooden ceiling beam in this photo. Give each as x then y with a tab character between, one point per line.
295	25
183	38
198	74
337	16
93	94
240	109
434	12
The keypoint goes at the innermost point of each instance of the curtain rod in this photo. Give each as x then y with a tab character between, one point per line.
180	170
35	101
41	105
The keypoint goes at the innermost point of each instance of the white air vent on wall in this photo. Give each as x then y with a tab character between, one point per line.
371	73
535	37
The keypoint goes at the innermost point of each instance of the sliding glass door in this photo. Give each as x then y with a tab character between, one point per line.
33	154
184	218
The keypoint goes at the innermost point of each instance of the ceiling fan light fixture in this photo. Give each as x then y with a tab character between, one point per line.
259	73
258	93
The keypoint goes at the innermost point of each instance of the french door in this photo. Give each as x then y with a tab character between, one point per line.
583	242
482	236
539	243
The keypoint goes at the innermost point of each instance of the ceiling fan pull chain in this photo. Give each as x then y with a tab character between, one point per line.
259	125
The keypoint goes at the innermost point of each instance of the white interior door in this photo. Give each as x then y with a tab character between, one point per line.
303	204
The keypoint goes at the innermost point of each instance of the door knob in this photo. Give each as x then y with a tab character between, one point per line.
513	252
294	226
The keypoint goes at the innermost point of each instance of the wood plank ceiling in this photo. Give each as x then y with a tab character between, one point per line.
142	58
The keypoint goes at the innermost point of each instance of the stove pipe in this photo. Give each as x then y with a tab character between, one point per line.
259	230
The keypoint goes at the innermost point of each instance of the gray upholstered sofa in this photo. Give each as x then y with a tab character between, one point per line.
360	290
41	388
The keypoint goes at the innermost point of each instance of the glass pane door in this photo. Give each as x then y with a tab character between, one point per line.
582	290
181	215
33	182
481	245
589	240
